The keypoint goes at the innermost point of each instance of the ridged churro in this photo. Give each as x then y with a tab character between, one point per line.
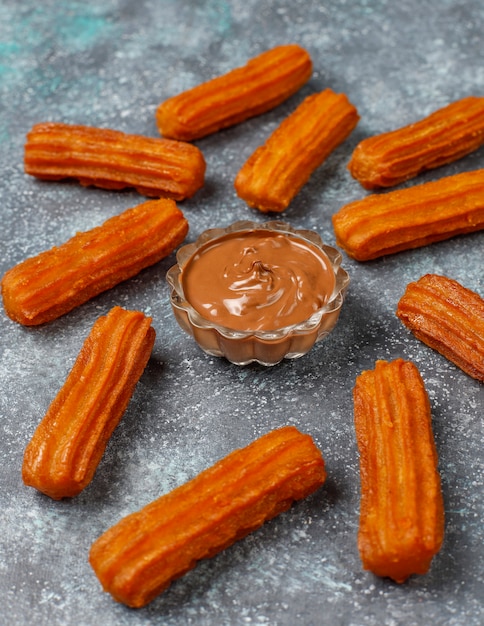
277	170
137	559
112	159
46	286
447	317
264	82
398	220
66	448
444	136
401	513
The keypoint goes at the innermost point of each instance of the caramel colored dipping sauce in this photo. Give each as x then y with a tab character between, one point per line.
255	292
258	280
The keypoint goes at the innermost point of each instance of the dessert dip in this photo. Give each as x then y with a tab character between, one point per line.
257	292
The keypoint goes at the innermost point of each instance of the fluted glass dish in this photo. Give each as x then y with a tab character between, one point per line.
267	347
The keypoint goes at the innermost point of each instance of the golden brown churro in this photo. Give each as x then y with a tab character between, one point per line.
46	286
65	450
267	80
114	160
401	514
444	136
409	218
277	170
447	317
137	559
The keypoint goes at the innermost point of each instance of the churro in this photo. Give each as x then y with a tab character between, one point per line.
401	513
381	224
66	448
264	82
54	282
444	136
277	170
447	317
112	159
137	559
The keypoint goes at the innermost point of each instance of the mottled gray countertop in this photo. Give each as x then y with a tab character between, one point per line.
110	64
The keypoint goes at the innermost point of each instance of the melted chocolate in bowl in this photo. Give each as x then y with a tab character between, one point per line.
257	280
257	292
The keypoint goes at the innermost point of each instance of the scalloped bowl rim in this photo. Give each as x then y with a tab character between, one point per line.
334	302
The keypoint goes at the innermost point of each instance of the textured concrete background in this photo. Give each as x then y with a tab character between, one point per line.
110	64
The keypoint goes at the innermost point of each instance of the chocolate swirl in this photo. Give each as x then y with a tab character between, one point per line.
258	280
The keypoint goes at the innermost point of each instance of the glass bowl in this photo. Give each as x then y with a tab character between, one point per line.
266	347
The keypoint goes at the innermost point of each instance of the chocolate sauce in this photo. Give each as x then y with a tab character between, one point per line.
258	280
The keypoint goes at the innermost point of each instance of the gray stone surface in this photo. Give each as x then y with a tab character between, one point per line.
109	64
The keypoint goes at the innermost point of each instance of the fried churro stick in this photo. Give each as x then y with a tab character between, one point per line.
266	81
65	450
277	170
442	137
114	160
137	559
447	317
409	218
46	286
401	513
